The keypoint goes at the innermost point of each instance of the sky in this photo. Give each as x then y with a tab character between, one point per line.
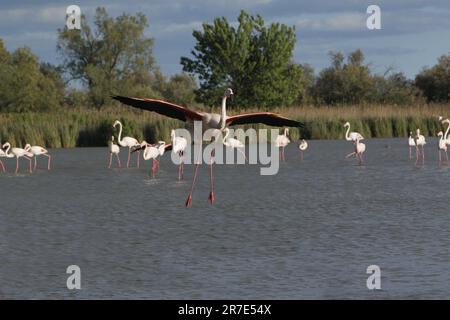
413	34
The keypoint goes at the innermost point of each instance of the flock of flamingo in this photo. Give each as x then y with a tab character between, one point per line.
219	124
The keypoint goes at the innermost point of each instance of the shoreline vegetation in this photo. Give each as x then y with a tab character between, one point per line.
82	127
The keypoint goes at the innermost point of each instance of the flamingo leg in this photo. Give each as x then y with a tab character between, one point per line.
189	198
118	160
110	160
35	163
180	166
29	159
446	155
410	152
49	161
153	168
3	166
138	159
17	164
129	156
211	194
423	154
439	151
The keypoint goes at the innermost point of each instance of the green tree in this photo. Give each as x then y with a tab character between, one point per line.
253	59
349	82
24	87
435	81
115	57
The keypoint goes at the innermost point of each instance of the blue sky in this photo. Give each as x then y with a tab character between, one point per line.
414	32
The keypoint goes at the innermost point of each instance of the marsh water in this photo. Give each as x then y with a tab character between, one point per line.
310	231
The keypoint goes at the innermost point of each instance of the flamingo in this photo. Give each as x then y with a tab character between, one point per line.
442	146
18	153
178	146
282	141
3	155
352	136
127	142
358	151
38	151
233	143
303	146
151	152
162	147
209	120
419	142
113	149
411	143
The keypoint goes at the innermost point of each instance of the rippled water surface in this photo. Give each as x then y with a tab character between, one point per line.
308	232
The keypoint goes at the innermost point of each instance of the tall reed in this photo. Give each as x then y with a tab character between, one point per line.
84	127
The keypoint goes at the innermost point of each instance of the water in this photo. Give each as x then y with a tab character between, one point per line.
308	232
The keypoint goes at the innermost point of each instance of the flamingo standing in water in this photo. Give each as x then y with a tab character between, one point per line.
302	147
151	152
127	142
282	141
419	142
442	146
351	136
178	146
18	153
358	151
38	151
113	149
3	155
411	143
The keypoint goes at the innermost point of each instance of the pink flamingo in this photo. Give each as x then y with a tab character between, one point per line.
113	149
38	151
18	153
127	142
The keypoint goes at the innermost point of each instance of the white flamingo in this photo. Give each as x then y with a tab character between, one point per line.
127	142
233	143
18	153
358	151
178	146
39	151
282	141
151	152
442	146
209	120
419	142
411	144
3	154
302	147
352	136
113	150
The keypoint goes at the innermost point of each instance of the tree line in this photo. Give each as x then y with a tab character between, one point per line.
113	56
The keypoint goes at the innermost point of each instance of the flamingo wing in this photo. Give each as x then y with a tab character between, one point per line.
162	107
269	118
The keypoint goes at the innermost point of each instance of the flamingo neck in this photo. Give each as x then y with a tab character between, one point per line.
7	149
347	137
227	133
285	132
446	131
224	113
119	138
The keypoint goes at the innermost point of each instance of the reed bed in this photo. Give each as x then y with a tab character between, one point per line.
85	127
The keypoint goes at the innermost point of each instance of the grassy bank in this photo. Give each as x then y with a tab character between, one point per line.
82	127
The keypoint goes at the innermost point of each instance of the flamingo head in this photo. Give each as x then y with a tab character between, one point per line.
440	118
228	93
347	124
116	123
418	131
446	121
6	145
440	133
27	147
